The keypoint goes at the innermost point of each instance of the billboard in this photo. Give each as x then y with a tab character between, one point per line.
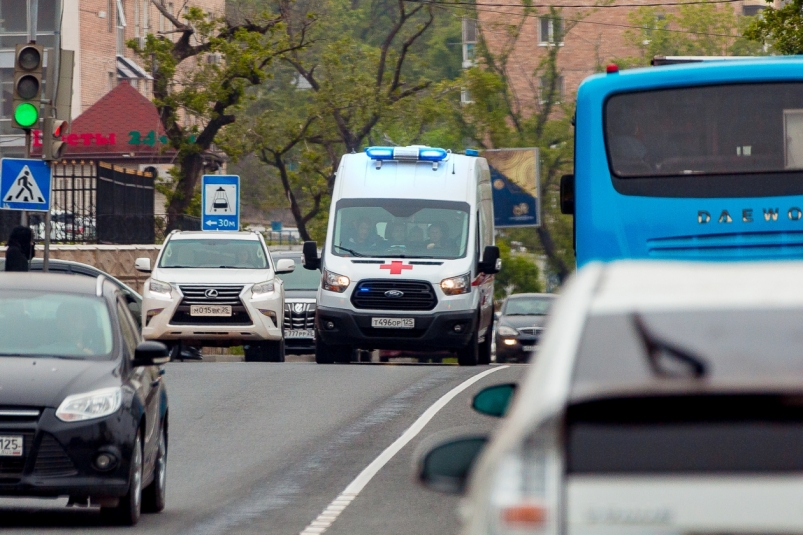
515	177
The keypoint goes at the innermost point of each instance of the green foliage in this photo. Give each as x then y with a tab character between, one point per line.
693	29
519	274
781	29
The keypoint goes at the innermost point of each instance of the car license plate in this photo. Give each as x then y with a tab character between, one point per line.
210	310
10	446
300	333
528	348
393	323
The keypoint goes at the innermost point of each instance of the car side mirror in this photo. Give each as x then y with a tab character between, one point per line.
150	353
310	255
446	467
143	264
285	265
491	263
497	315
567	194
494	400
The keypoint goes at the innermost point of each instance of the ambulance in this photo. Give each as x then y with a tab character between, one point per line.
409	258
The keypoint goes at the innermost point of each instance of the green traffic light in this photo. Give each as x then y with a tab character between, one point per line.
26	115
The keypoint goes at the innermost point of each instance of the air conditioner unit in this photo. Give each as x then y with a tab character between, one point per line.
214	58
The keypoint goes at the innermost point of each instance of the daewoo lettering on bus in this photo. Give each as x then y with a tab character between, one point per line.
409	257
698	161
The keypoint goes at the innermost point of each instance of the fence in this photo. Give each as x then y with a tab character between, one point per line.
124	205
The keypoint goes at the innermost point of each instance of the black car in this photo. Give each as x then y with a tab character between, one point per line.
300	292
520	324
83	406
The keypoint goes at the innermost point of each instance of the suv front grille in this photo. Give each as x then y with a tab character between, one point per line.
416	295
52	460
530	331
198	294
299	315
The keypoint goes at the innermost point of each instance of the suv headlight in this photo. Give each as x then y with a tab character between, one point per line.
504	330
456	285
95	404
263	288
161	288
334	282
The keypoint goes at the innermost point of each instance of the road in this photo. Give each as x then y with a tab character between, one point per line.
266	448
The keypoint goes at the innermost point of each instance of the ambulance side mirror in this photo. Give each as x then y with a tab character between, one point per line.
491	263
310	256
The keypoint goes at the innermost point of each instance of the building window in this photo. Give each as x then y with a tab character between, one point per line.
112	81
145	19
469	42
752	10
465	97
543	89
110	10
136	20
550	30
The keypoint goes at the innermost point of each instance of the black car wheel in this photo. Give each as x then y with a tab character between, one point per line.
153	497
264	351
469	355
327	354
128	510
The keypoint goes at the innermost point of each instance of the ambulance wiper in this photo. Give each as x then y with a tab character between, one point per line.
695	365
351	251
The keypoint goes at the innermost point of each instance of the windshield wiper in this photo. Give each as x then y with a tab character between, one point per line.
355	253
655	347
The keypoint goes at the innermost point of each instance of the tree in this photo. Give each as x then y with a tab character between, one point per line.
693	29
498	117
195	99
362	70
518	275
781	29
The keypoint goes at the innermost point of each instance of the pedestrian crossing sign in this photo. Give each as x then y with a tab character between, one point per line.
25	184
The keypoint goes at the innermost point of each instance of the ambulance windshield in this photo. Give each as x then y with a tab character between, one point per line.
401	228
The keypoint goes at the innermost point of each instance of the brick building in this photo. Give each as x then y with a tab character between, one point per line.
97	31
594	35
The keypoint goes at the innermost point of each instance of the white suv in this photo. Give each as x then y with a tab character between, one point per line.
216	289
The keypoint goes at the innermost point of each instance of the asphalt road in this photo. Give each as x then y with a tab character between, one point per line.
266	448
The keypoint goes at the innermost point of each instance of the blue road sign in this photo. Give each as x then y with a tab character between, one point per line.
220	198
25	184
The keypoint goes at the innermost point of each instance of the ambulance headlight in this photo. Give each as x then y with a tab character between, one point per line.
333	282
456	285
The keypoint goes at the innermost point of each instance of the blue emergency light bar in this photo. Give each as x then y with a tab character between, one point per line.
423	154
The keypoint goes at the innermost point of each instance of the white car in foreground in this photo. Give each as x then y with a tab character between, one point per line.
666	398
216	289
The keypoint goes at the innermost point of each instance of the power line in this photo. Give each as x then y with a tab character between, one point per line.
653	4
447	5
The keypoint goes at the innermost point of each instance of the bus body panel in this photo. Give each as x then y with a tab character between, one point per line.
611	225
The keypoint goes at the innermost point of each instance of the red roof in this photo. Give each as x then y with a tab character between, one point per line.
122	122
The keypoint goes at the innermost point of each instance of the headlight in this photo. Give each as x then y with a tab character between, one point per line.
504	330
162	288
262	288
95	404
456	285
334	282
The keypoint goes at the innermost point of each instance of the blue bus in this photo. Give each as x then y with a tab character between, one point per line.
693	161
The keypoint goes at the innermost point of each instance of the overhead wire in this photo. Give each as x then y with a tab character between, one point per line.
527	6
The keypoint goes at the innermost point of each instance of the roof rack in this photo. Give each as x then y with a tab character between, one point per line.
675	60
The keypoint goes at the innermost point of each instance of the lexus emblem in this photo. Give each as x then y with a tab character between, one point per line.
394	294
211	293
298	308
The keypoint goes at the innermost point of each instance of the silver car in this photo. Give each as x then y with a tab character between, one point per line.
667	398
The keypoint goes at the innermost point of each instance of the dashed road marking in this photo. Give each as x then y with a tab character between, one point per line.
324	520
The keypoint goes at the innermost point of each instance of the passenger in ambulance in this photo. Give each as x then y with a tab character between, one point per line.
365	239
395	238
439	238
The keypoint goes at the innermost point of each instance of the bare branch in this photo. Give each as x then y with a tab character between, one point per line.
405	48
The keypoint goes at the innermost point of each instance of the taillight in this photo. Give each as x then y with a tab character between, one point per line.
525	491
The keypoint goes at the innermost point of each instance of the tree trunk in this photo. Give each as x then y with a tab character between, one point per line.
191	167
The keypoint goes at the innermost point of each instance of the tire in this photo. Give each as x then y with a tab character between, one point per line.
129	509
484	349
153	496
469	355
274	351
254	352
328	354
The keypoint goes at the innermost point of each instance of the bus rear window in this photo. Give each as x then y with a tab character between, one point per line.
712	130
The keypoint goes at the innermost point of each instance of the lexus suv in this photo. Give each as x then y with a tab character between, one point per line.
216	289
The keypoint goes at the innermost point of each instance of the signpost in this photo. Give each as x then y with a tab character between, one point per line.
220	201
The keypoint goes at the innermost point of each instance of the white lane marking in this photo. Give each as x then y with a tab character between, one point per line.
339	504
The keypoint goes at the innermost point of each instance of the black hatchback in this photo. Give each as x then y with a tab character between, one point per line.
83	405
520	326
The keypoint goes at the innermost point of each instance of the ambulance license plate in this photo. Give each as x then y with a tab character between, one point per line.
10	446
393	323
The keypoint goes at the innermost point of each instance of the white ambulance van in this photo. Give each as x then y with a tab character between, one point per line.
409	259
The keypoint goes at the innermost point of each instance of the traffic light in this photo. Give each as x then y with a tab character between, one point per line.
28	59
52	144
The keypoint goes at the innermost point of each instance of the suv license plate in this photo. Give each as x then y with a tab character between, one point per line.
300	333
528	348
206	310
393	323
10	446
